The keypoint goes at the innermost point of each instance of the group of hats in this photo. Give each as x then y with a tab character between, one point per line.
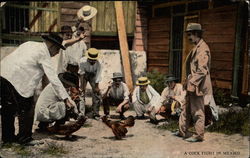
145	81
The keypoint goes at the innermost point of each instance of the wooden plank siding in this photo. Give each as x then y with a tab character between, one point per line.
141	24
68	16
219	26
158	44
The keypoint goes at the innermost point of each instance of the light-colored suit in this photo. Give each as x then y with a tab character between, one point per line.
197	76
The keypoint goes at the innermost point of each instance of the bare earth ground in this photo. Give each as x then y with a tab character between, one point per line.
142	141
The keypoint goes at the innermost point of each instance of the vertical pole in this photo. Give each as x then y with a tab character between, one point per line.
123	44
238	51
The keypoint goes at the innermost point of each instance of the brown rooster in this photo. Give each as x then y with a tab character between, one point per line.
69	128
119	128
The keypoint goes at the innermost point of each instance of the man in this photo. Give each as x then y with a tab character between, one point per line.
90	71
117	94
21	72
198	84
173	97
50	107
75	49
145	99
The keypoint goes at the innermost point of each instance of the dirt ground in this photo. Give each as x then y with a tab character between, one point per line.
142	141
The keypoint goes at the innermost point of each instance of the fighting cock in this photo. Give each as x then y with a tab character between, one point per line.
69	128
119	128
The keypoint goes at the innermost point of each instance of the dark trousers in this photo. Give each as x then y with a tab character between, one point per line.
12	104
108	101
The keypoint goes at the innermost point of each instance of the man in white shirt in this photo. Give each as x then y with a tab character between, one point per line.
90	71
173	97
117	94
145	99
50	107
21	72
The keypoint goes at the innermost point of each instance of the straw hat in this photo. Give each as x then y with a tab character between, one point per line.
86	13
142	81
92	53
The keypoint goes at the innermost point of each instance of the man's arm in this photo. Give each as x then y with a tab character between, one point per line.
72	41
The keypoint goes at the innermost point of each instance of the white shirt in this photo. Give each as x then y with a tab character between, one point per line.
177	92
25	67
121	92
86	67
71	55
153	95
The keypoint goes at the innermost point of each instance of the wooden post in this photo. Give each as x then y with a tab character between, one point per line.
123	44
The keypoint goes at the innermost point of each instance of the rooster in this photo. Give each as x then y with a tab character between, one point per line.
119	128
69	128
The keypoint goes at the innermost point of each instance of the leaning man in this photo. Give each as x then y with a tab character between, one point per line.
21	72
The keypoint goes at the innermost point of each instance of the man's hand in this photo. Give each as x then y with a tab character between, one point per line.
119	109
70	103
190	87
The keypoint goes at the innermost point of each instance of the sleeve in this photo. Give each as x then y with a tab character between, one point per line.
53	78
126	92
164	93
61	66
134	98
202	68
98	73
82	66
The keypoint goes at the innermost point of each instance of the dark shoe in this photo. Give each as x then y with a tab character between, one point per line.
153	121
122	117
140	117
96	117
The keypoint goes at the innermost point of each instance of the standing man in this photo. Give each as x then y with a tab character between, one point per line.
198	84
90	71
21	72
117	94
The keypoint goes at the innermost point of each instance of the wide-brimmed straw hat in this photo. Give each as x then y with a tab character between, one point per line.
92	53
142	81
69	78
54	38
193	27
86	13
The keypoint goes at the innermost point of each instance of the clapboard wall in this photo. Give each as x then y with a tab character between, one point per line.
158	44
220	25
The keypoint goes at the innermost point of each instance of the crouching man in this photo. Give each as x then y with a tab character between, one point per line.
50	108
146	99
173	97
117	94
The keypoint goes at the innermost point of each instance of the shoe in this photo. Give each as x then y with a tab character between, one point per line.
33	143
193	139
153	121
177	133
140	117
96	117
122	117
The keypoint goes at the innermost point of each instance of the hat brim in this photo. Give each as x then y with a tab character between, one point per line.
117	77
193	30
92	57
142	84
93	12
46	37
60	76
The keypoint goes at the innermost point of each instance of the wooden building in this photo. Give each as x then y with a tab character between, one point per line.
156	27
